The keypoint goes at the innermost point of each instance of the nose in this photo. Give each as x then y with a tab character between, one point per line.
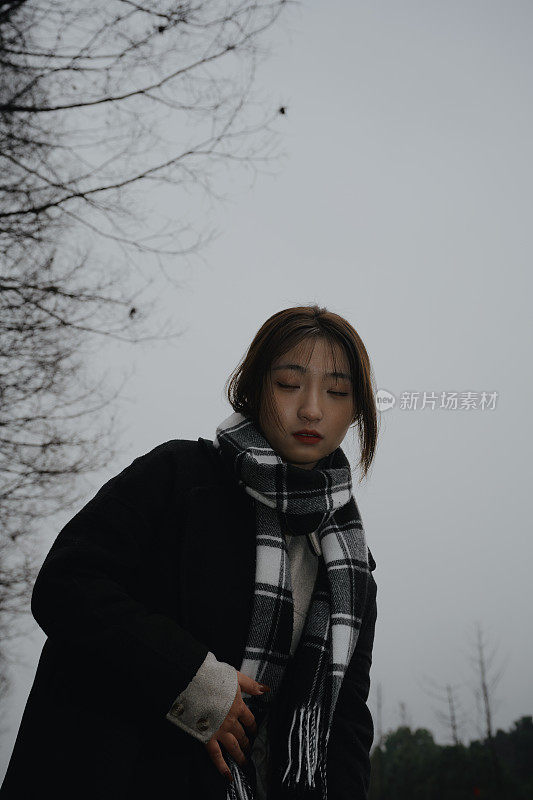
310	409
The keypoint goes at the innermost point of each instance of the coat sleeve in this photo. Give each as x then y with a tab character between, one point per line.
203	706
84	596
352	733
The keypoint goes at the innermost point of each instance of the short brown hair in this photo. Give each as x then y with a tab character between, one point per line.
283	331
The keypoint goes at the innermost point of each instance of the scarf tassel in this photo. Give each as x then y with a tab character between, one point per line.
306	754
239	788
306	749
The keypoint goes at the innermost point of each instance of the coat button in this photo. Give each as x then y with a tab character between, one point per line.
178	710
202	724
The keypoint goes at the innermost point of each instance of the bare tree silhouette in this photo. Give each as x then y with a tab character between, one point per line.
487	676
405	717
448	711
100	104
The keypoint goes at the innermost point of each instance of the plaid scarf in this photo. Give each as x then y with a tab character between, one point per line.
300	501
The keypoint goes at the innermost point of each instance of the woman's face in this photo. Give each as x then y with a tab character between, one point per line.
312	395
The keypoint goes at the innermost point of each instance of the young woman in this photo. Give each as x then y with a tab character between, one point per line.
210	613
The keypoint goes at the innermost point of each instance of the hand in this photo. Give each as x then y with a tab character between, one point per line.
231	733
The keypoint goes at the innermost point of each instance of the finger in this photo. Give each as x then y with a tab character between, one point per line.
215	754
240	734
251	686
233	747
247	719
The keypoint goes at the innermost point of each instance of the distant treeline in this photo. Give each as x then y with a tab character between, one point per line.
410	765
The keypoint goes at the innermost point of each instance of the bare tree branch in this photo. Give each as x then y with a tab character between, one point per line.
101	104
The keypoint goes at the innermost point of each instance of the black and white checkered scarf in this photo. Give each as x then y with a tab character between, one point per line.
300	501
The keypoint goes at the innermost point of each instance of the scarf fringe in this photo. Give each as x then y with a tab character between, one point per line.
306	749
309	741
239	788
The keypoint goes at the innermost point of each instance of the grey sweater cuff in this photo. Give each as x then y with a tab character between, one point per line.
203	705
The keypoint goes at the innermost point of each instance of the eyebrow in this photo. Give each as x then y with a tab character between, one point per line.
299	368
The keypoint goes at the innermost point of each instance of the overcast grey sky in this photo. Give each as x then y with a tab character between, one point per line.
404	203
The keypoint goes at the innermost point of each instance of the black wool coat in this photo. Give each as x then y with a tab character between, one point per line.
156	570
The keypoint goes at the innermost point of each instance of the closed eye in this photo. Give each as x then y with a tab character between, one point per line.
292	386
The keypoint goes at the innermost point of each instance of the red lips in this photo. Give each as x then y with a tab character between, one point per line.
307	436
